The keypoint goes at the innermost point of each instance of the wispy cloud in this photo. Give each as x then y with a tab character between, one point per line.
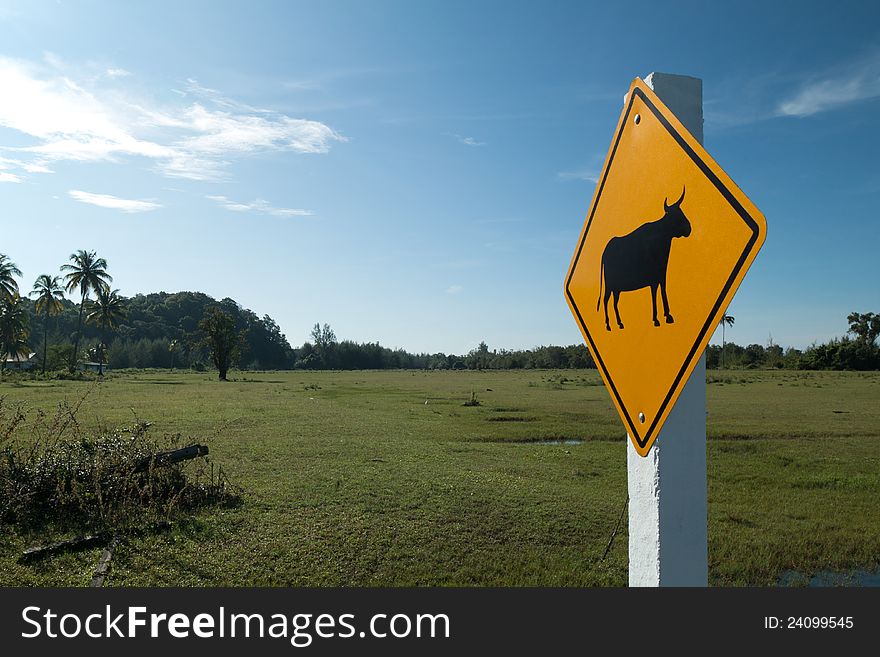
116	73
588	175
5	176
260	206
749	97
302	85
454	289
587	170
112	202
469	141
328	77
195	89
35	167
860	81
197	139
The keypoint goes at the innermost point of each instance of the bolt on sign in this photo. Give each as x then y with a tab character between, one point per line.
666	243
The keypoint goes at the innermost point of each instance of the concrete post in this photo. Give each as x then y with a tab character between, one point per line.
667	489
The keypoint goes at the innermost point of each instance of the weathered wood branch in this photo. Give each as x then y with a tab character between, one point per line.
104	564
67	544
171	457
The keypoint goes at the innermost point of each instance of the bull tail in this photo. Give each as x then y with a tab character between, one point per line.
601	280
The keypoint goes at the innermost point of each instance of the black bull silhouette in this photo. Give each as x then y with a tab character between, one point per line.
640	259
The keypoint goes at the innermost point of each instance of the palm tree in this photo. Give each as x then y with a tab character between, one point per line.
8	285
13	329
105	312
49	295
87	273
726	320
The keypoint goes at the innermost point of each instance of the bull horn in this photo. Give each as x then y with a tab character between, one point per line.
666	205
681	198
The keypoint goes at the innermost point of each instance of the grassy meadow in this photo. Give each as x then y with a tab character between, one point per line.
386	478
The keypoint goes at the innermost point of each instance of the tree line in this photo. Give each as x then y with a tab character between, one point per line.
75	316
855	350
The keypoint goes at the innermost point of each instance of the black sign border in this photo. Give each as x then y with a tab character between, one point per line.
729	197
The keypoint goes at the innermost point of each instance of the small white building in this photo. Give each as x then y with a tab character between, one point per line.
21	363
92	366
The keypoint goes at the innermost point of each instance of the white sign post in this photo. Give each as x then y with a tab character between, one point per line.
667	488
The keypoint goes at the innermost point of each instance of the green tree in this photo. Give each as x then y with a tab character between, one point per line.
726	320
754	355
105	312
478	359
774	355
48	295
865	326
325	344
59	355
8	272
221	339
87	273
13	329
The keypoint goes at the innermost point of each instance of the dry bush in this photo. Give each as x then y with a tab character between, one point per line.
56	474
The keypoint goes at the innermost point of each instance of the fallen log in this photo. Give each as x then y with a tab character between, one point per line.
171	457
67	544
104	564
85	541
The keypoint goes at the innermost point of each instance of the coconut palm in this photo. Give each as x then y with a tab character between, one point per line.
8	285
49	294
726	320
105	312
172	347
86	272
13	329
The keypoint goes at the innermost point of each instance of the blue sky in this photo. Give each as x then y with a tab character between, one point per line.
417	173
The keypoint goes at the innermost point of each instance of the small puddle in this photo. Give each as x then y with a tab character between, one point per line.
831	578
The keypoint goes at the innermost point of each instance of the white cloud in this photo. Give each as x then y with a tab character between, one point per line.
36	167
218	135
5	176
69	121
260	206
222	133
588	175
113	202
454	289
193	88
54	61
469	141
860	81
116	73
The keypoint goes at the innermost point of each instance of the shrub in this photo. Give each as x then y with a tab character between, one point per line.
55	474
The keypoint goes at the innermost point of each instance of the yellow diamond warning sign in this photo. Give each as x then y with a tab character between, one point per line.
667	241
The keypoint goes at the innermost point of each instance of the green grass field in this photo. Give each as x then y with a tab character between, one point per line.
386	478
